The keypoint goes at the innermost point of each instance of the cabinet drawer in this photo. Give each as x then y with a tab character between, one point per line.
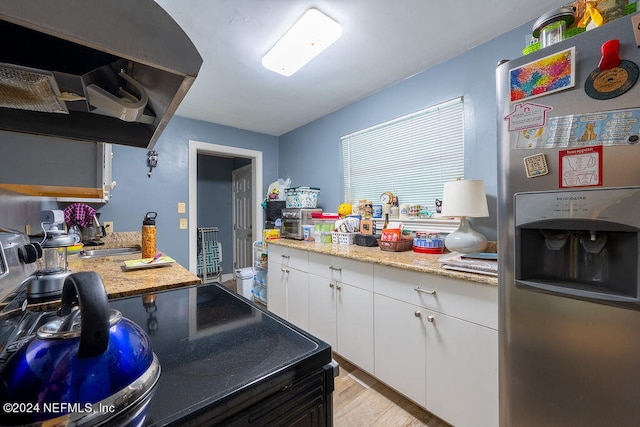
288	257
356	273
474	302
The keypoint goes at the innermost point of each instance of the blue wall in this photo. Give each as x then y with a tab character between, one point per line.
137	194
310	155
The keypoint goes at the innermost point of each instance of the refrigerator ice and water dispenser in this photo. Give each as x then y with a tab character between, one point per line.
581	244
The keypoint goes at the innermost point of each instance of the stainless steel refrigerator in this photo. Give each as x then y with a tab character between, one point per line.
569	222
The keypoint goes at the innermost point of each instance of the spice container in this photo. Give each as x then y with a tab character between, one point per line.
149	235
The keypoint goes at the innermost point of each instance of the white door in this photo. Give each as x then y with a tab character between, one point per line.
354	314
242	232
400	345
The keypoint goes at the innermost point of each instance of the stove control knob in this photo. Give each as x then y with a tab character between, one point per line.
28	253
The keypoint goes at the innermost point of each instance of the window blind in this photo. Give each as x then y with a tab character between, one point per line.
411	156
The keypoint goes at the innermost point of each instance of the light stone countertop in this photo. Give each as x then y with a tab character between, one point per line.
408	260
121	283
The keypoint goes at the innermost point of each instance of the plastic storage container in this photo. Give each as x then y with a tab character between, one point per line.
244	281
339	238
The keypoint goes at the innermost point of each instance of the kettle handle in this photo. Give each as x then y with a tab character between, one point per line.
87	290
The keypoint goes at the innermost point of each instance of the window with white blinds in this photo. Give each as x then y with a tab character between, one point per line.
412	156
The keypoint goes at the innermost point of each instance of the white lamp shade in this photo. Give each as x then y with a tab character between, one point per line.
464	198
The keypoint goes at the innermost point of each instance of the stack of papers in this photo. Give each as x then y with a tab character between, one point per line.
476	262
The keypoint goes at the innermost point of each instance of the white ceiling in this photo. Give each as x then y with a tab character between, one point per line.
383	42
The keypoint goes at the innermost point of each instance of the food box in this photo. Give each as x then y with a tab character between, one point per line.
302	197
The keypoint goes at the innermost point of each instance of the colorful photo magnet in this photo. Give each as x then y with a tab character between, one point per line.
547	75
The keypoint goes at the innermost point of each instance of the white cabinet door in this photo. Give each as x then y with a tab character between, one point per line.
322	309
354	317
462	371
277	289
297	298
400	344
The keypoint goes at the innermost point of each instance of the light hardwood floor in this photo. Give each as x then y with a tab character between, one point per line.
361	400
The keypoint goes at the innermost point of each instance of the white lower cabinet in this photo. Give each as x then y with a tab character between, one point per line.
354	320
288	292
341	313
462	371
432	338
322	309
400	345
447	363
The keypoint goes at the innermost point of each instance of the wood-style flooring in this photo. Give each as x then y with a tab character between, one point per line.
361	400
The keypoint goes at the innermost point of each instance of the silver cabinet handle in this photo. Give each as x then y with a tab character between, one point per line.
331	285
417	313
284	270
285	256
338	287
424	291
331	267
431	319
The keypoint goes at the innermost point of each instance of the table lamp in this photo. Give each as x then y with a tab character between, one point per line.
465	198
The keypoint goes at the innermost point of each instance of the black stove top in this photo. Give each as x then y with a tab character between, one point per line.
217	351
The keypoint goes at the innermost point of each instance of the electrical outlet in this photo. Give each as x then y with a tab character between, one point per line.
182	207
108	226
183	223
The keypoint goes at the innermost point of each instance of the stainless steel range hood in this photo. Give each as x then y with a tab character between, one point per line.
93	70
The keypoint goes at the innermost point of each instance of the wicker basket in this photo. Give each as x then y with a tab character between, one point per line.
399	246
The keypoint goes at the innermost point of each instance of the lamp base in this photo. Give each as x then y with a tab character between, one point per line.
465	239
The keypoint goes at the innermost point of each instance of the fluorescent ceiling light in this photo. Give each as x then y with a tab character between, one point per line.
312	34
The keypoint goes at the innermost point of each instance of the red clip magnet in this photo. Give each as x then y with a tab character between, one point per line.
610	58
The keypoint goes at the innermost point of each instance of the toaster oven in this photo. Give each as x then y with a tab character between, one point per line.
294	220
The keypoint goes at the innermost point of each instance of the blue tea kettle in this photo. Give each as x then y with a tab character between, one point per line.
88	366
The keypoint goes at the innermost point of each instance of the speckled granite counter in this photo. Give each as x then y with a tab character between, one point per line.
409	260
120	283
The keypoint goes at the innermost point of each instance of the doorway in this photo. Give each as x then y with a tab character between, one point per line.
255	198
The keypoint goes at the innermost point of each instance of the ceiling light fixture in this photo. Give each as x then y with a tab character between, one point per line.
312	34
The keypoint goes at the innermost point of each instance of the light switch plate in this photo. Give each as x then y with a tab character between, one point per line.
182	207
183	223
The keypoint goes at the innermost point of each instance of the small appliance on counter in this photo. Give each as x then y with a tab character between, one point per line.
294	220
93	233
52	265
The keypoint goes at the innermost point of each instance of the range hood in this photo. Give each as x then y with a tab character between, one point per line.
109	71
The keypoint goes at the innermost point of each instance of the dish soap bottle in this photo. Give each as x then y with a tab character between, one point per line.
149	235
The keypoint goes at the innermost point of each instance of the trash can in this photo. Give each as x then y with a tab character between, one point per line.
244	282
